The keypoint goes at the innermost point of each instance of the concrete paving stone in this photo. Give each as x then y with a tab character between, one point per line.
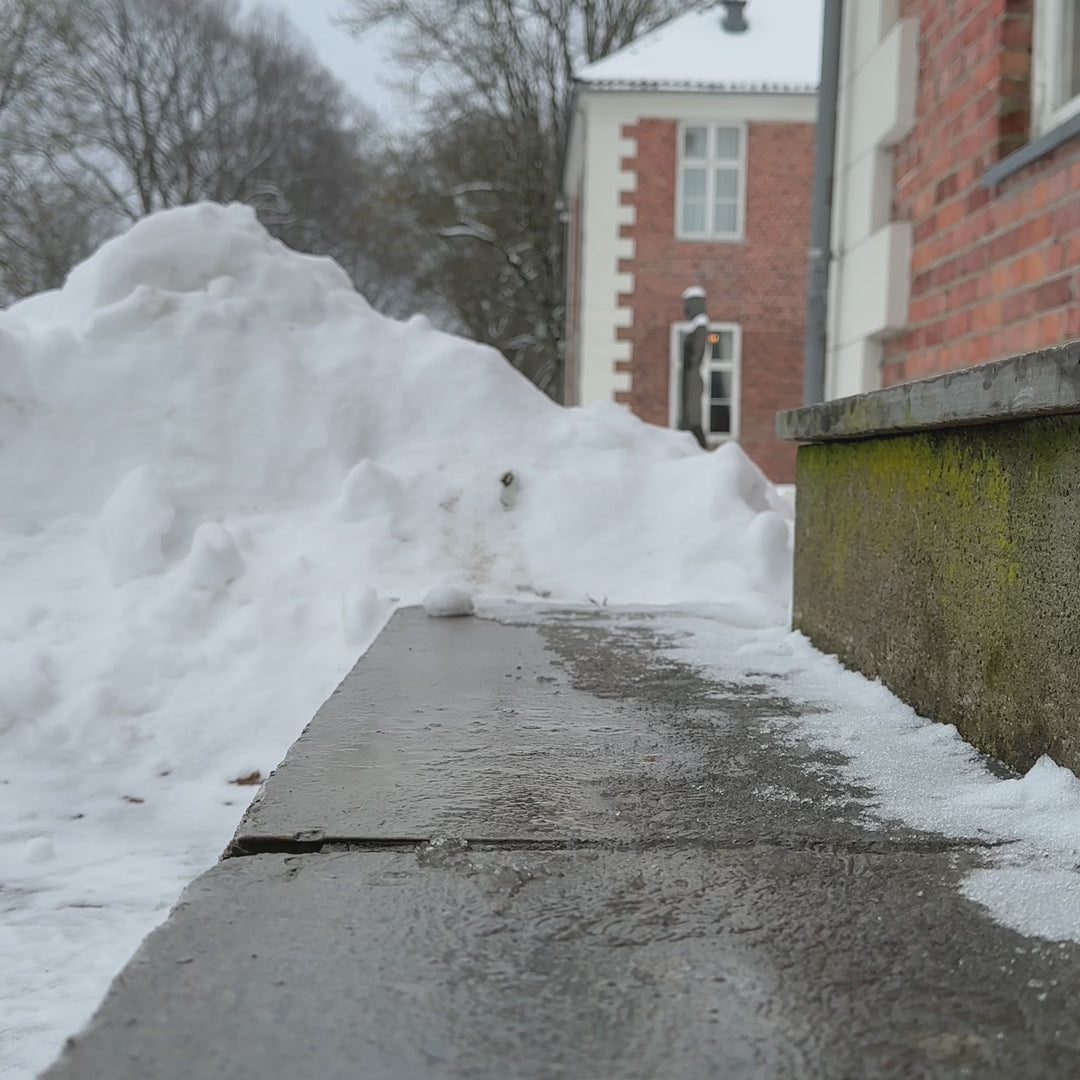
575	729
451	963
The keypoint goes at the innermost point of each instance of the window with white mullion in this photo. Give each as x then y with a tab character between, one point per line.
720	388
711	182
695	207
1056	62
726	200
720	373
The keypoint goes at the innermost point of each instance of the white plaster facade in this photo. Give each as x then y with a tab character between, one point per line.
595	152
870	277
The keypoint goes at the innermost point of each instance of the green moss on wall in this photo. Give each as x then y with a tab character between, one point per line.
948	564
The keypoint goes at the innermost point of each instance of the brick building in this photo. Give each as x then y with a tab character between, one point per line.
956	228
689	164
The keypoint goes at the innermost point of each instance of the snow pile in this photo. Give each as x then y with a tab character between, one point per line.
196	369
219	472
133	525
449	600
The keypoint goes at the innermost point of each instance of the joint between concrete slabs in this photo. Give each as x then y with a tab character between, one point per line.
245	848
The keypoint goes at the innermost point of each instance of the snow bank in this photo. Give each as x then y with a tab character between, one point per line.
133	524
449	600
195	368
219	471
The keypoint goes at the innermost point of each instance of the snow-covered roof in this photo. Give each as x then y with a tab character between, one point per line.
779	53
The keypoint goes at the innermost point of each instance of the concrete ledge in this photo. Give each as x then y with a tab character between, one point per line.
1045	383
947	563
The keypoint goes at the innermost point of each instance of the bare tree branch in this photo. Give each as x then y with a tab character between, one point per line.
482	179
111	109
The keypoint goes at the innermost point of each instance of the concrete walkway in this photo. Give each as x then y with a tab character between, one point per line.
514	852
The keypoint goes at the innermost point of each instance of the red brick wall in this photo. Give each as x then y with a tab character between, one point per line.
994	272
760	284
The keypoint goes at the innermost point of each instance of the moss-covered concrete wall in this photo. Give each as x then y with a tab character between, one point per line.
947	564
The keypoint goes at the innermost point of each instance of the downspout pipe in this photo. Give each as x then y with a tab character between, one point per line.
568	241
821	207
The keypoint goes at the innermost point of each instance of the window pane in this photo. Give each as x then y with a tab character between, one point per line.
719	419
1070	73
693	184
722	346
720	385
727	183
726	218
693	217
694	142
727	144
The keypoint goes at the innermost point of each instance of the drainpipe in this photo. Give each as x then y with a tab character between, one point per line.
821	207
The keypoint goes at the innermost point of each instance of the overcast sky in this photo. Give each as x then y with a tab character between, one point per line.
362	63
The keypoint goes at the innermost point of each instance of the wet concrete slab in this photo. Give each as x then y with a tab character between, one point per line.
443	962
550	850
574	728
448	726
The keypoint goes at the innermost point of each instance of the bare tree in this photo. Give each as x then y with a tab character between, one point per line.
44	231
119	108
23	48
159	87
496	78
40	236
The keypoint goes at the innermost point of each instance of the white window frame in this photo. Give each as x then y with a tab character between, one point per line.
1049	108
675	380
711	163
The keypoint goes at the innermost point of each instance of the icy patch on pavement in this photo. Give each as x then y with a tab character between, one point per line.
220	471
921	773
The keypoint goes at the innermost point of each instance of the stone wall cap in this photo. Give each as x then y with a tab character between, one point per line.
1044	383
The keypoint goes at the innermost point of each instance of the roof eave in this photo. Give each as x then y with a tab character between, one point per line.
624	85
